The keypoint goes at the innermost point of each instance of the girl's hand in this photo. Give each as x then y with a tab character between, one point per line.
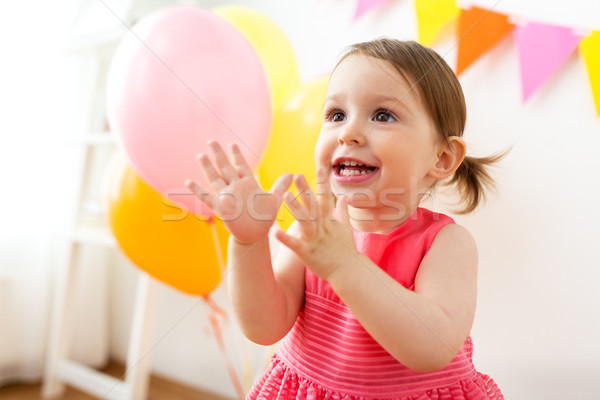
325	243
247	211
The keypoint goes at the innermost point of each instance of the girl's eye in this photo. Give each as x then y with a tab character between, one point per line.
384	116
336	116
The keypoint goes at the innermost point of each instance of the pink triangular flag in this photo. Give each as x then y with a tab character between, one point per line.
542	49
362	6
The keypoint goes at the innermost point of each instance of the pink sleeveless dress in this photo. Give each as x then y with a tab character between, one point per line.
329	355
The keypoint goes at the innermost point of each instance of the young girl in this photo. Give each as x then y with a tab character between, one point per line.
377	301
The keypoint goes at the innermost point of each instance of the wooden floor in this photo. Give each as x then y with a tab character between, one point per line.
160	389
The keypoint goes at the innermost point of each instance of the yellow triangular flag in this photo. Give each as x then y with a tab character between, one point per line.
432	16
589	47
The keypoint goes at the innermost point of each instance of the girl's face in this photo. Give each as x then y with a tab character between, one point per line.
377	139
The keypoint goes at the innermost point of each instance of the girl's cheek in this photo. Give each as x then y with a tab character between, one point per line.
323	151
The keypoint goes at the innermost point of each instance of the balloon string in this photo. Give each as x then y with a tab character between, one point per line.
216	313
218	250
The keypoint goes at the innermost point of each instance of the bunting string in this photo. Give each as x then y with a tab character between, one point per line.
542	48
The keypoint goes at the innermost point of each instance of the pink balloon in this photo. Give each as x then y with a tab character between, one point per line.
185	76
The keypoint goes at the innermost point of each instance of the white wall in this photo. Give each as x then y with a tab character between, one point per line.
39	93
538	316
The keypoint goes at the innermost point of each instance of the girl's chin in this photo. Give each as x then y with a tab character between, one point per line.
357	197
367	198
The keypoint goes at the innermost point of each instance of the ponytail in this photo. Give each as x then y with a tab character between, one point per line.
472	179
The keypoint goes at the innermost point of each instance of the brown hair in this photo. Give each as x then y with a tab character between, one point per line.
443	97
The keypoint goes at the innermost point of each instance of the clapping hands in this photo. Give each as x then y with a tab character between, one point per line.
324	242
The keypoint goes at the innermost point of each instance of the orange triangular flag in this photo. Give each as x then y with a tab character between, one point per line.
478	30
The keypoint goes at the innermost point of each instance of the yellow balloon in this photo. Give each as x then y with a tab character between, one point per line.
173	246
291	147
271	45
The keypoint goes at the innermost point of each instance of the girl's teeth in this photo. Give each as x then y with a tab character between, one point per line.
350	172
352	163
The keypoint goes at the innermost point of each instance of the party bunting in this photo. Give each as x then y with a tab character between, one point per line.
362	6
542	50
478	30
432	17
589	48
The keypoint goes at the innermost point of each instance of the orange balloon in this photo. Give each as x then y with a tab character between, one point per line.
173	246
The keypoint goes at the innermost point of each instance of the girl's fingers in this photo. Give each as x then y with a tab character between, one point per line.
298	210
210	172
306	195
294	244
228	172
280	186
239	162
307	224
204	195
341	210
324	197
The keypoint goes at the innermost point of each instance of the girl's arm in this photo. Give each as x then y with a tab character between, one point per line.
423	329
266	301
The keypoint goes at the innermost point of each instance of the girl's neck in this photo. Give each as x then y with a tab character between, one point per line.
378	220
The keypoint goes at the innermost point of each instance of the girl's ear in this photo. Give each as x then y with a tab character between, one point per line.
449	158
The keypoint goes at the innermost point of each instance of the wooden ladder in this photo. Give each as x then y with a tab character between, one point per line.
60	370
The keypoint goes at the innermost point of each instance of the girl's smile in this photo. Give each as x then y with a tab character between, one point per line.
352	170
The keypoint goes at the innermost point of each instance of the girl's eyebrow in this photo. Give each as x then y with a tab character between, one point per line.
334	97
397	101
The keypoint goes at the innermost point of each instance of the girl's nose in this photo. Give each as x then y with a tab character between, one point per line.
352	134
